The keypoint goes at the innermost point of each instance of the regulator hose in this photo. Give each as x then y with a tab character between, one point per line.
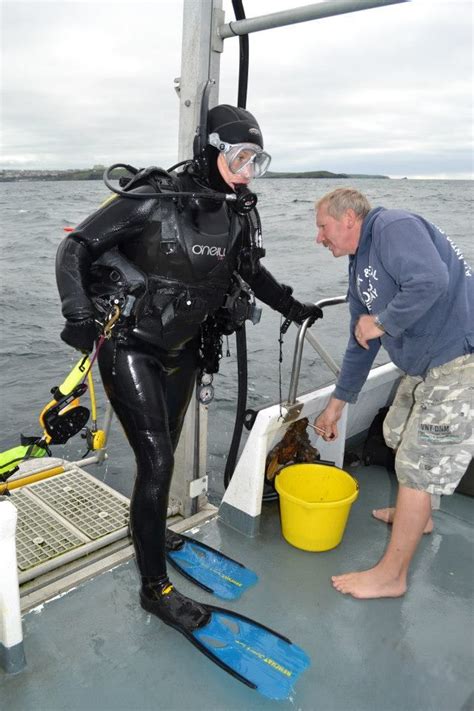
242	378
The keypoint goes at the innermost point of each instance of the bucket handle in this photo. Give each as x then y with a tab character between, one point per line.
333	464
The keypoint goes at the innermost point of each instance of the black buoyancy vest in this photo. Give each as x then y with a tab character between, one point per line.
187	254
192	246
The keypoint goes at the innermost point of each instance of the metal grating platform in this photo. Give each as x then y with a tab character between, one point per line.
40	536
85	504
64	518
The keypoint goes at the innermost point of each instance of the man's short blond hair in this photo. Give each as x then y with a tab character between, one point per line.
338	201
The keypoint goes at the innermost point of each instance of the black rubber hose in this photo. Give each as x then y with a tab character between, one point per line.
239	13
219	197
242	376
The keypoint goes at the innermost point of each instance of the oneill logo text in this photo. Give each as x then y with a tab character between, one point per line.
204	249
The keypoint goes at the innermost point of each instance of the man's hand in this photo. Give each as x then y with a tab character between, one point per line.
326	423
365	330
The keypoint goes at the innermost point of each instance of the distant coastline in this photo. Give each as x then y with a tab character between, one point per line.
326	174
96	173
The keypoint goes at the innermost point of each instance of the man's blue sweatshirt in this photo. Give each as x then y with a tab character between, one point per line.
413	277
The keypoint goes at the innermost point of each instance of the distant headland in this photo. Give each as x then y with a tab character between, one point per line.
324	174
97	172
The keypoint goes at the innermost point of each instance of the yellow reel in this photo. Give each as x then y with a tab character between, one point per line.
97	440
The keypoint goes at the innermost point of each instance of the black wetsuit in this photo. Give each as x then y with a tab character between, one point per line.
180	257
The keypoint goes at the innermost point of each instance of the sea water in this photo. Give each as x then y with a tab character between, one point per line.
33	358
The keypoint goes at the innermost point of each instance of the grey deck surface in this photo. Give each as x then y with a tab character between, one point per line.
96	649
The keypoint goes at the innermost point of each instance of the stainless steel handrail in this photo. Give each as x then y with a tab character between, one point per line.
315	11
298	353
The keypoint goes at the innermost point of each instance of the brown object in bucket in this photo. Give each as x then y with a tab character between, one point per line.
294	447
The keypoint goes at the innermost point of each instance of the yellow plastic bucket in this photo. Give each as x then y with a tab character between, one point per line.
315	501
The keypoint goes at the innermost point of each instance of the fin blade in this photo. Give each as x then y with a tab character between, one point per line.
254	654
209	569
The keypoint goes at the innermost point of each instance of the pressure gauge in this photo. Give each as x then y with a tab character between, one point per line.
205	390
206	394
206	378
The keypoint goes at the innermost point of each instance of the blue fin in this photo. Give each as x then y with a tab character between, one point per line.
254	654
210	569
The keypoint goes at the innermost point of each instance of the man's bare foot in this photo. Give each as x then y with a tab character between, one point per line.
369	584
386	515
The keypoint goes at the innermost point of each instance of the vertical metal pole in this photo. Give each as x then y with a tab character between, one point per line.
200	60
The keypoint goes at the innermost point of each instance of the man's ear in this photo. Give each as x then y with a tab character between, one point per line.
350	218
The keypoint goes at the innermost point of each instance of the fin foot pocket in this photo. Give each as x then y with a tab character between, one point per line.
173	608
173	541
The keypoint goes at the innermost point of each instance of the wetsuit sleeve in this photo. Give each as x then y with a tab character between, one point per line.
268	289
116	221
72	264
408	254
263	284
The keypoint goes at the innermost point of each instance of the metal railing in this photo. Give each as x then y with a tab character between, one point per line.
298	353
316	11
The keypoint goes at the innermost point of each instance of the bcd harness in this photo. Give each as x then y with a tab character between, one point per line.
205	291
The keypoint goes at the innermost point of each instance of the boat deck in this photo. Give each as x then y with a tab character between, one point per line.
94	648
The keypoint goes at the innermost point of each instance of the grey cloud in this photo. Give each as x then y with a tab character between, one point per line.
385	91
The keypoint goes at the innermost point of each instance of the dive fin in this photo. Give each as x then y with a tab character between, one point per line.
208	568
255	655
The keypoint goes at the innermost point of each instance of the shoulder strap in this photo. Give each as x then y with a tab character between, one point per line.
158	178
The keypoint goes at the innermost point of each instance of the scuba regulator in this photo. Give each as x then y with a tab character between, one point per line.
242	201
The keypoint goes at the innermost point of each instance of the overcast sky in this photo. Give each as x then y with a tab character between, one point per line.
386	90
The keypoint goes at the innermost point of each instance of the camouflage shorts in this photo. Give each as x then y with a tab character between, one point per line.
430	424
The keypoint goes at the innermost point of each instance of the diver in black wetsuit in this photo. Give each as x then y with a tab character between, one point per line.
170	264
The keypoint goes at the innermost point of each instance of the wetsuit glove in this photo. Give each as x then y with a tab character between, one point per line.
80	334
299	312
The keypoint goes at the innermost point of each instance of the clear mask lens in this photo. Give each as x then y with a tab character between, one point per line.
248	160
242	158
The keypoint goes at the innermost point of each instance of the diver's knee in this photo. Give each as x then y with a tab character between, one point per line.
154	450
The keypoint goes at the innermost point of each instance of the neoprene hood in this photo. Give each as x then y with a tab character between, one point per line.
234	125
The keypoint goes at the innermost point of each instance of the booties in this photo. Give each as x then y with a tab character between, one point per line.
176	610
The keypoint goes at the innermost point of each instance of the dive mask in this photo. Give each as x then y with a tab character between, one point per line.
242	157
